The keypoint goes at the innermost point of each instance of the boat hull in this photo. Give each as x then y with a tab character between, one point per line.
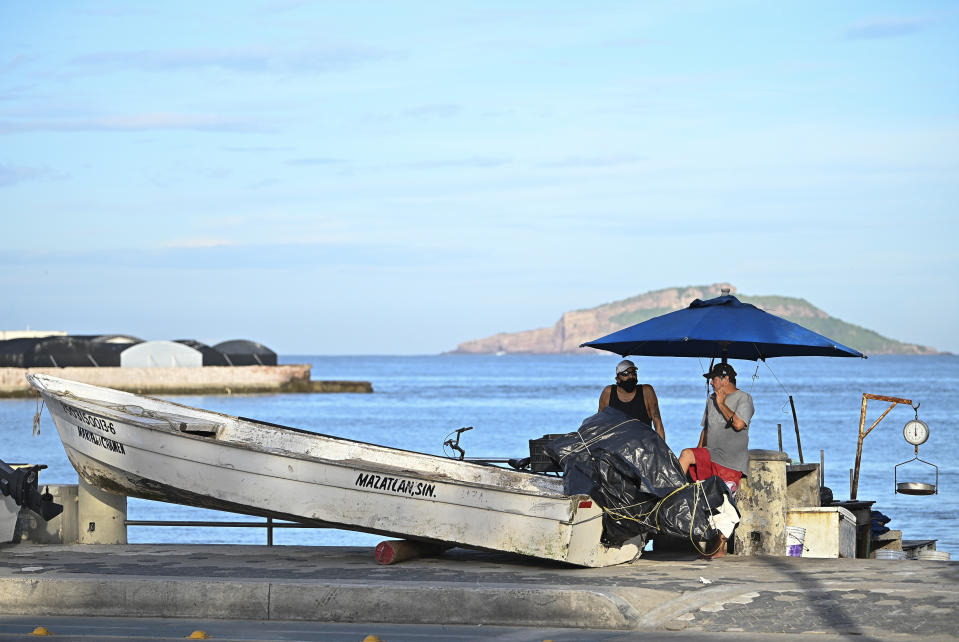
159	450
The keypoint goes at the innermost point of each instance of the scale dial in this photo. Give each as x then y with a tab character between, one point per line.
916	432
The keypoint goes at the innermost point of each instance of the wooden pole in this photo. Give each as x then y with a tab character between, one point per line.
397	550
854	474
779	430
796	423
822	468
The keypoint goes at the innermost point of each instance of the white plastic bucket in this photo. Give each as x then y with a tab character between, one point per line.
795	538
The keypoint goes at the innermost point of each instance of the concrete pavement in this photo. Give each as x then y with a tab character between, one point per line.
878	599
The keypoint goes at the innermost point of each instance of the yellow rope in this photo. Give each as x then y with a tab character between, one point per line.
655	509
594	439
691	540
36	416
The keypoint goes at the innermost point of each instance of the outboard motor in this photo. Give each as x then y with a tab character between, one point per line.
21	485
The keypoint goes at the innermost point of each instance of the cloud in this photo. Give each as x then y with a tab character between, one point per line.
135	122
261	149
11	64
247	60
214	173
265	183
886	28
12	175
280	6
474	161
573	162
634	41
116	11
471	162
201	253
434	111
193	243
316	161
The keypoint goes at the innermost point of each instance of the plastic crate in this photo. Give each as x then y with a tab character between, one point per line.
539	461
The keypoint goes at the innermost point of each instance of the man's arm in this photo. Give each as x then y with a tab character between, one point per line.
604	398
652	409
702	439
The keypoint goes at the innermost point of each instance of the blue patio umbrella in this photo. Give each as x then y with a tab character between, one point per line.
723	327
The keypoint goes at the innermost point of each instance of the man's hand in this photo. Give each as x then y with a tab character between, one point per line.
721	395
734	422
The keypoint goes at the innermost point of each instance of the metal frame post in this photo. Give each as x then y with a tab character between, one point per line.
854	485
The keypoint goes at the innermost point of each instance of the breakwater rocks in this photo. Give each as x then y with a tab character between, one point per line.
173	381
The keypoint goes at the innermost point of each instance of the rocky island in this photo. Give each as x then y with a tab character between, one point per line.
579	326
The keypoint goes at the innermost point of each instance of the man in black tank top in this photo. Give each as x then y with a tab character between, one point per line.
637	401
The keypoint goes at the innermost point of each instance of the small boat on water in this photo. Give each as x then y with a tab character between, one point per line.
160	450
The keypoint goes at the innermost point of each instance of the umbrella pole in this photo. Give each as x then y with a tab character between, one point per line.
796	424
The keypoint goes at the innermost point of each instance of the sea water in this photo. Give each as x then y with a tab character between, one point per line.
420	401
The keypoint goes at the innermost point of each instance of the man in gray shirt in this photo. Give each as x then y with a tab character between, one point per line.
723	447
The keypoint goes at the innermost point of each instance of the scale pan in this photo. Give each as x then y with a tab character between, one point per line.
915	488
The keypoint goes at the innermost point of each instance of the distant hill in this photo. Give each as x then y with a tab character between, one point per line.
579	326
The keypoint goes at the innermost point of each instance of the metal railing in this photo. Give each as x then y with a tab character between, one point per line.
269	525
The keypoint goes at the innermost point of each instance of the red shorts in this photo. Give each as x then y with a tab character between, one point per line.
705	467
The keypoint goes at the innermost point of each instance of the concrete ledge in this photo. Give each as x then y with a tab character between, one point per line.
375	603
173	381
134	598
451	604
392	602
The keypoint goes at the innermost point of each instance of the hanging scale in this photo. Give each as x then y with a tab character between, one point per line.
916	432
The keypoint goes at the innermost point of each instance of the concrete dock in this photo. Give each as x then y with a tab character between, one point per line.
216	380
869	599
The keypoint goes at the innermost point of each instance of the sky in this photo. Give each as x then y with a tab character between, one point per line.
399	177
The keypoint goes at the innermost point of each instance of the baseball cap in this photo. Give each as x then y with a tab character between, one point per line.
624	365
721	370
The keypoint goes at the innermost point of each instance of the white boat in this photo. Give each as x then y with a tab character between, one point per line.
155	449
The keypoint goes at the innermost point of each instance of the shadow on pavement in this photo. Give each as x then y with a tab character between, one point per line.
833	615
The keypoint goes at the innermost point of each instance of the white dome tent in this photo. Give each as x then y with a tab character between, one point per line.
161	354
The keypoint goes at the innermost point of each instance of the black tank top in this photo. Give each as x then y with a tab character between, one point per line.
635	408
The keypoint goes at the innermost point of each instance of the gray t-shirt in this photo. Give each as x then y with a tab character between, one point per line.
727	446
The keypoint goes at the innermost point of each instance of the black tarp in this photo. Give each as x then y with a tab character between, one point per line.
126	340
241	352
630	471
211	357
64	351
14	353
